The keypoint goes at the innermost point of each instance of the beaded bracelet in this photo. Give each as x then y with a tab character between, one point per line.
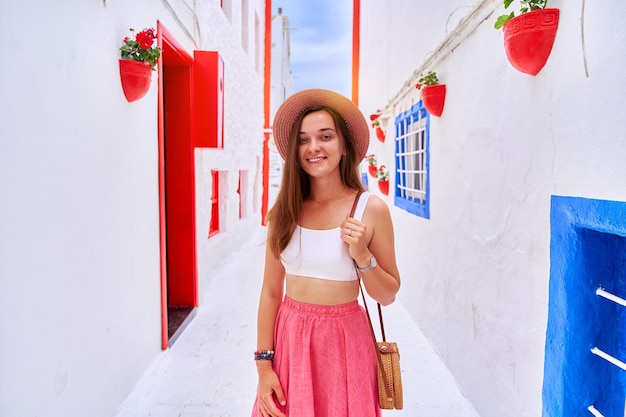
260	355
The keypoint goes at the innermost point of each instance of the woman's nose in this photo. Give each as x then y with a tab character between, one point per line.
314	145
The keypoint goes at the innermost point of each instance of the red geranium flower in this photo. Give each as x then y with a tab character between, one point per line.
382	174
144	39
141	47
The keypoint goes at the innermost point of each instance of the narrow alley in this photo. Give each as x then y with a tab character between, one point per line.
139	157
209	372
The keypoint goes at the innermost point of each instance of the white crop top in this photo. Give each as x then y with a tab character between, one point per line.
321	253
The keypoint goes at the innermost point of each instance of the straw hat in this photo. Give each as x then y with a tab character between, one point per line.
299	102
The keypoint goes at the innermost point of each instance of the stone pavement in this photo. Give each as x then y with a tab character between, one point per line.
209	371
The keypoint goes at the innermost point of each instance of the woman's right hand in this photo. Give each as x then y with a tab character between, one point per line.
269	385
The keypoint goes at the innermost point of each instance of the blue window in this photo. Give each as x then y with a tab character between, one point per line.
412	161
584	370
365	180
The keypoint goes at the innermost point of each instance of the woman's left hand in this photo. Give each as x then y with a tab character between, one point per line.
354	233
374	237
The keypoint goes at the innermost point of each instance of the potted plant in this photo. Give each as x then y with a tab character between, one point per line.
433	93
139	57
375	118
371	164
529	37
383	179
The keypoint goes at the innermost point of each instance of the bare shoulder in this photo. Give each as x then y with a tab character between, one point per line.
377	215
376	207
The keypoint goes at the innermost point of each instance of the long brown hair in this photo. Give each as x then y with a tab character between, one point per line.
296	185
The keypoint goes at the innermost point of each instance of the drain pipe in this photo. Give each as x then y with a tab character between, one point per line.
266	110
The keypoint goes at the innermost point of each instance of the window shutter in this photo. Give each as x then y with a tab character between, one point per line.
208	109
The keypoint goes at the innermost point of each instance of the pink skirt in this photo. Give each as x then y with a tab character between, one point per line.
325	360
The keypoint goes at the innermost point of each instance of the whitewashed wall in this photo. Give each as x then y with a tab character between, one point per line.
79	211
475	275
243	133
281	88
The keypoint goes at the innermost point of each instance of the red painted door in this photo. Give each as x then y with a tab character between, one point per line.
177	186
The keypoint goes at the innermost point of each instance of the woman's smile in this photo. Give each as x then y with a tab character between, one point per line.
320	145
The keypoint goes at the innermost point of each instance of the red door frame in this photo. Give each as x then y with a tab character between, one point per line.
267	89
177	211
356	49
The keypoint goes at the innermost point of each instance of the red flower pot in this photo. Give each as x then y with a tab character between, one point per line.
383	186
528	39
434	97
136	79
380	134
373	169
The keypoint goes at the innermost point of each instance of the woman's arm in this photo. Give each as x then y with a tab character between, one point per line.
382	282
270	300
269	303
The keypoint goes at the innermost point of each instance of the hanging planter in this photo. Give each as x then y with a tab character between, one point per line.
528	38
139	57
380	134
434	97
372	169
433	93
383	179
136	79
383	186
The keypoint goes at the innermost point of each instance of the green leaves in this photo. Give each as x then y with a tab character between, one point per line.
529	5
382	174
428	79
141	47
525	7
503	19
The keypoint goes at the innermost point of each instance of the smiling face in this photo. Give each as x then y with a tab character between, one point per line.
320	144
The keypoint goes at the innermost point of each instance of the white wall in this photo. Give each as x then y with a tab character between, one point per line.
281	88
79	215
243	135
475	275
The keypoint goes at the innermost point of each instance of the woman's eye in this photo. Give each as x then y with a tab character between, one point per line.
301	140
326	137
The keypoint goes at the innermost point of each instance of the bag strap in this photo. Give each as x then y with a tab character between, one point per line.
378	354
382	325
380	310
380	315
356	202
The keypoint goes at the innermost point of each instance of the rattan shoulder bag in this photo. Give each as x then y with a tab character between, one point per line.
389	374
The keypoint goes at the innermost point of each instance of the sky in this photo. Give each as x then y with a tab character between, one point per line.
321	43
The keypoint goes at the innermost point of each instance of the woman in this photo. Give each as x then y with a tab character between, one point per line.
315	354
